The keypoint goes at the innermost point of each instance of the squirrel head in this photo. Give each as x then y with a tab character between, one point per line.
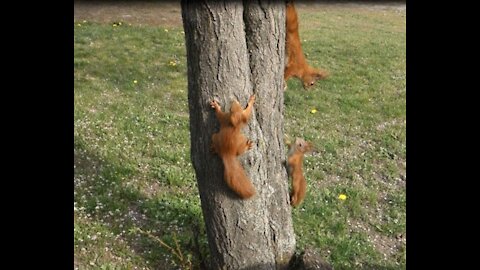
303	146
235	107
312	76
236	113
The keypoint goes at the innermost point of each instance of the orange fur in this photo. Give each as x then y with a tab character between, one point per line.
296	63
295	165
229	143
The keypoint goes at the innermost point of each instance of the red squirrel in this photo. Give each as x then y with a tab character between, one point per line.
295	169
229	143
296	63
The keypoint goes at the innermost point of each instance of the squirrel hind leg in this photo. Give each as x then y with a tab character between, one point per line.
212	148
293	201
244	145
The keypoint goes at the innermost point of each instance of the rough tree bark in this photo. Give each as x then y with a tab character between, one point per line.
236	49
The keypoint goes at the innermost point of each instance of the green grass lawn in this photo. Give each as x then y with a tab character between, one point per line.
135	189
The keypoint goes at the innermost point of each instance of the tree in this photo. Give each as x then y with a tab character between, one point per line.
235	49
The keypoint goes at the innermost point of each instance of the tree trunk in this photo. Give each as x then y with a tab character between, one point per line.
234	50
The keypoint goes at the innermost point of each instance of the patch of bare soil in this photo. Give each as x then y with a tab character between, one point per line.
168	13
399	6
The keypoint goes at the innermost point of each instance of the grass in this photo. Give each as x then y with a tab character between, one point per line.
135	187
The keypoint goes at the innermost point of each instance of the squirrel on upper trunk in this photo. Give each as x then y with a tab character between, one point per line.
229	143
296	63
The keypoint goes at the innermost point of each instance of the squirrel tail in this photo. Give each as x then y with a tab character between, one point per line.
298	192
236	178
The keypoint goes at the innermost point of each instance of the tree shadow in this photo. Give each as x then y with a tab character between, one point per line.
104	191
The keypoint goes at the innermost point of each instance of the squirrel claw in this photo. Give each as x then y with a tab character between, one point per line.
249	144
214	104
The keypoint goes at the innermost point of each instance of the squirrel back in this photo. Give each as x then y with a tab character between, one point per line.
229	143
296	153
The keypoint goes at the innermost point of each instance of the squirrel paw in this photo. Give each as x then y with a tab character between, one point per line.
249	145
214	104
251	99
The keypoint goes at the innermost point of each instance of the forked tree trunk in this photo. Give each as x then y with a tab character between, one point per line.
236	49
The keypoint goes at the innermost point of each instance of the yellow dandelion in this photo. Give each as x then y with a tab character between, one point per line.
120	23
182	32
114	25
84	21
79	24
172	63
135	81
313	111
342	197
166	30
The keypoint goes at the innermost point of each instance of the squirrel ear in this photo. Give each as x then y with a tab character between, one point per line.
287	140
312	147
321	74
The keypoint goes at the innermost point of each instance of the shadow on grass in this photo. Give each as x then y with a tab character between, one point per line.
104	191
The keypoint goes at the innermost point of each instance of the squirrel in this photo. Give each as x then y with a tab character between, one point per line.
296	63
229	143
295	169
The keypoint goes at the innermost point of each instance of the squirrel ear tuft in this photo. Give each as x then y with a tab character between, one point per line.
287	140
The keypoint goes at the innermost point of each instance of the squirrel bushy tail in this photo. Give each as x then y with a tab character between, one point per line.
299	189
236	178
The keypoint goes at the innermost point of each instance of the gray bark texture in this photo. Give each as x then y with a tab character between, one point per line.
236	49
